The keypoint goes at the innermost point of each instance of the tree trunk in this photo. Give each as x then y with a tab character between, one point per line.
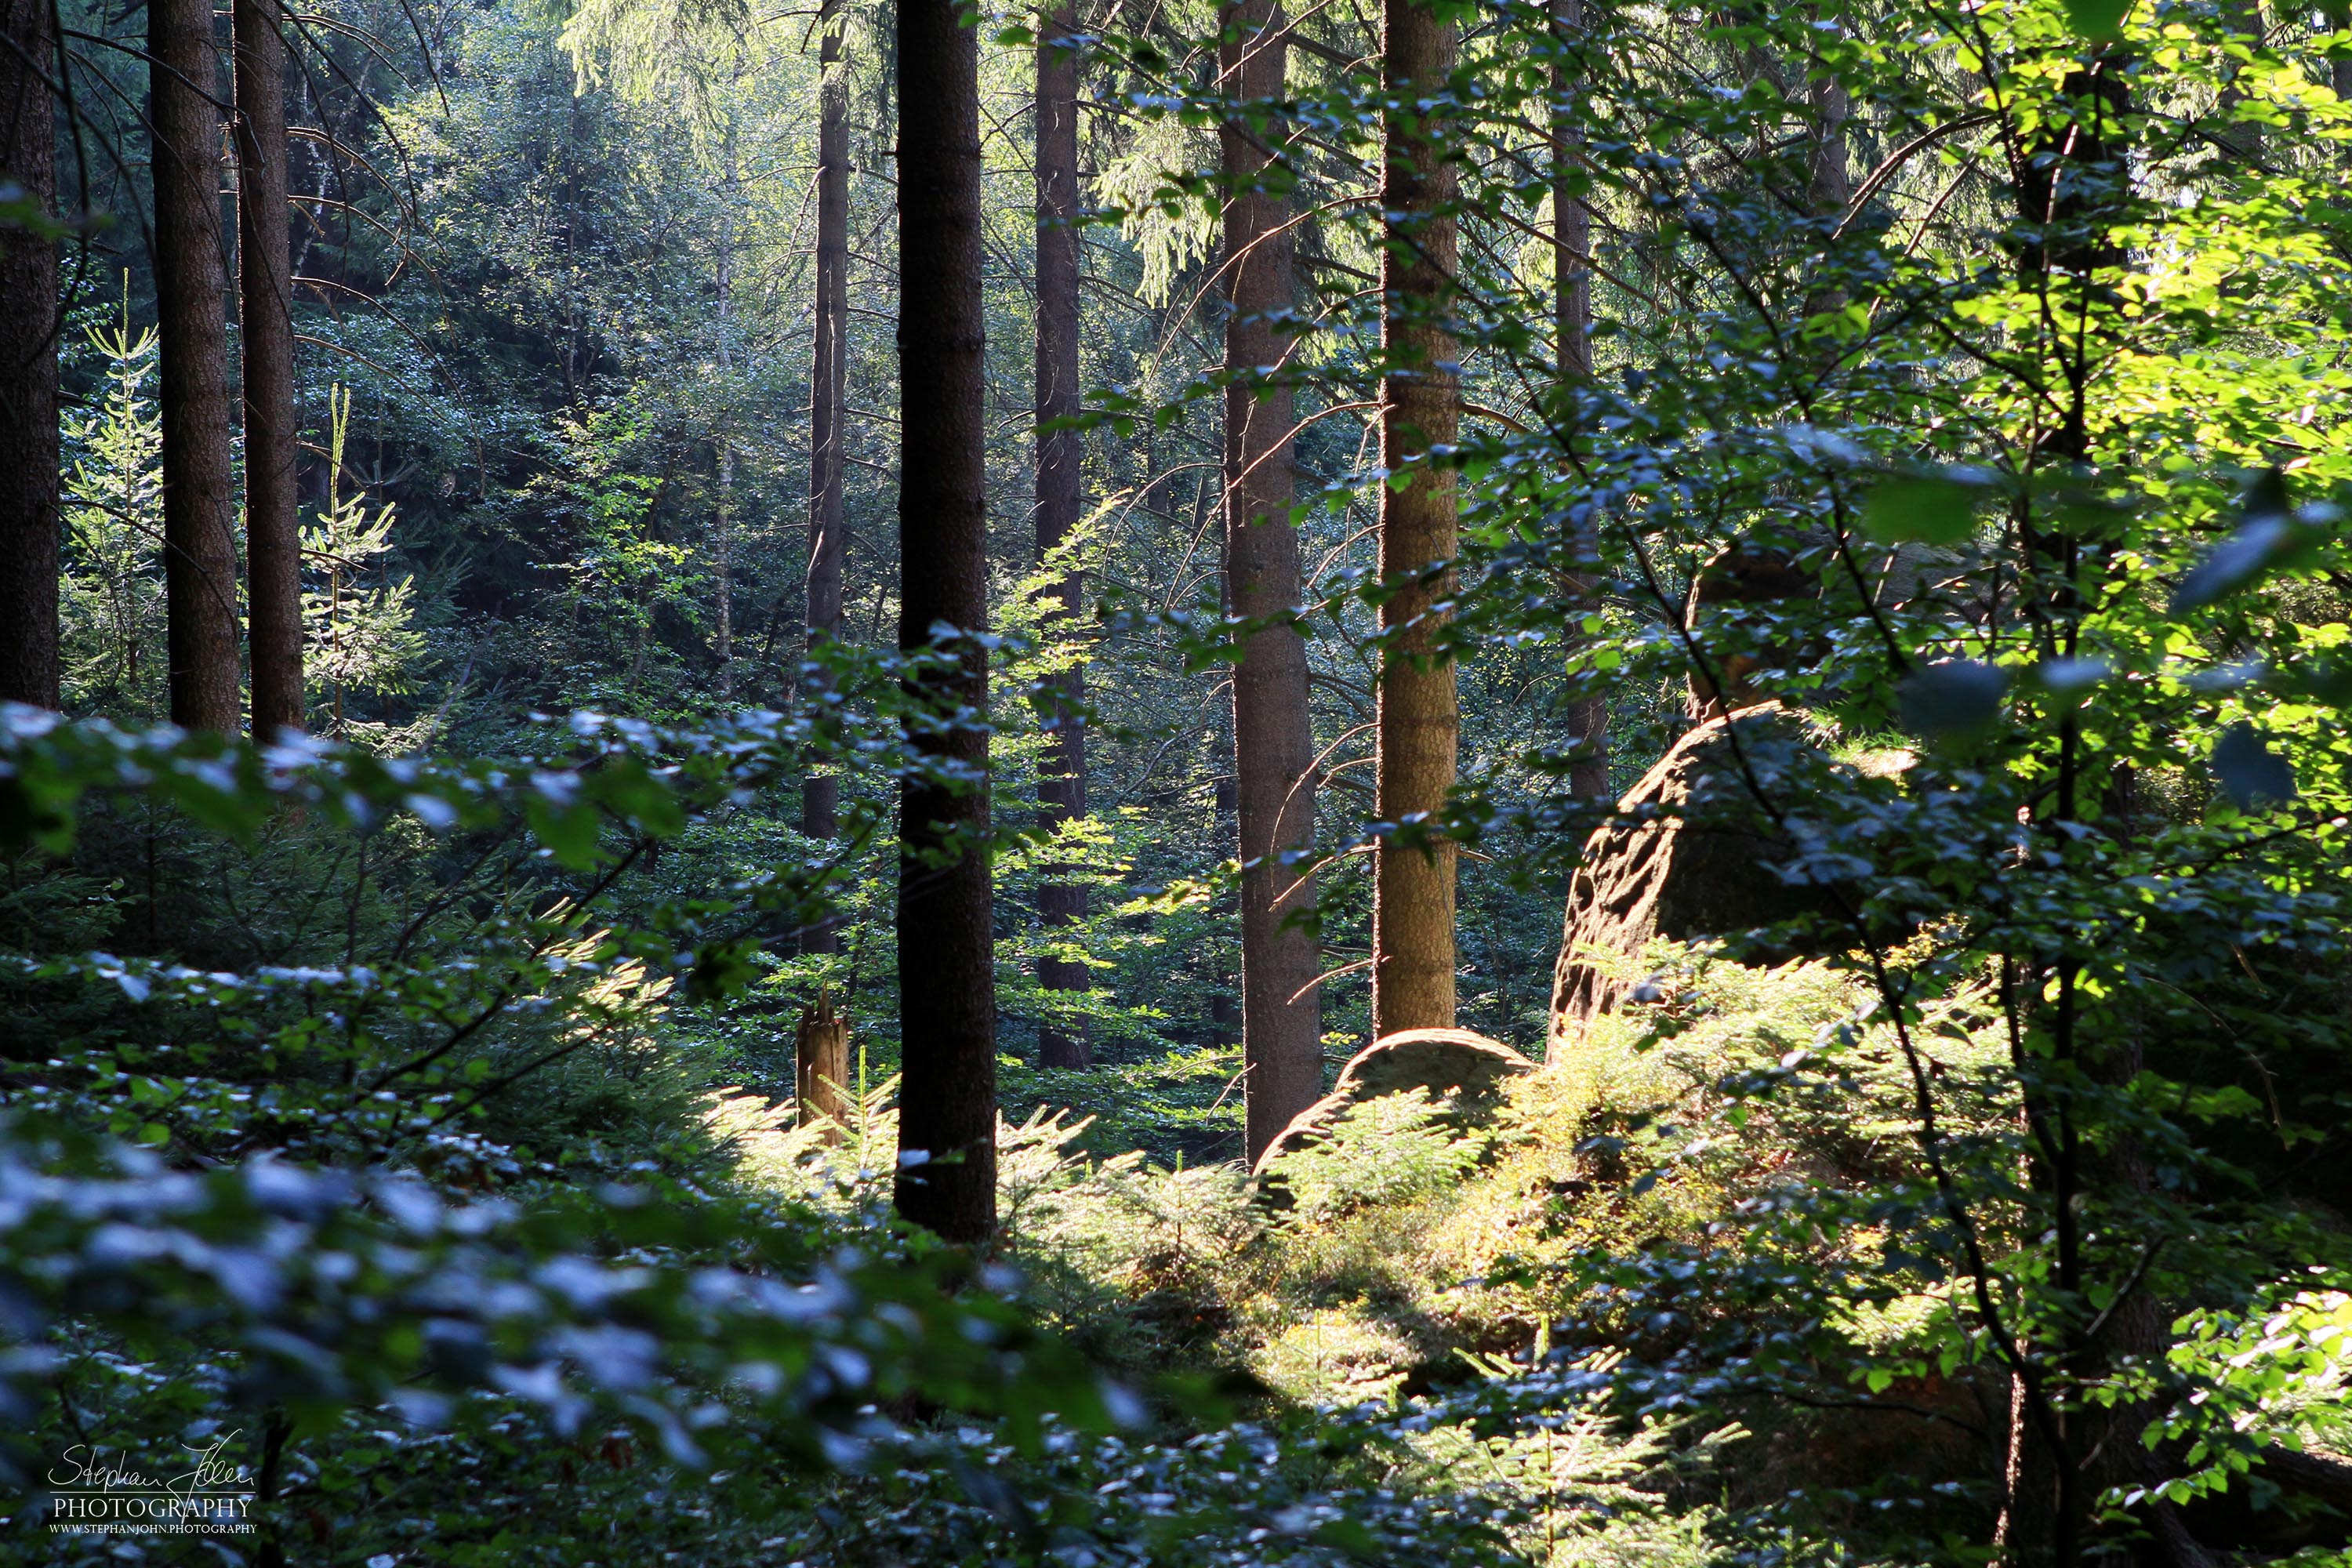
273	548
828	395
1571	250
1418	721
29	324
722	532
191	286
1061	453
2339	69
2059	1464
947	1121
1274	737
1571	234
820	1078
722	572
1829	177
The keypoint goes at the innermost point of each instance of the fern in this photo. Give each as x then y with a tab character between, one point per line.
1386	1151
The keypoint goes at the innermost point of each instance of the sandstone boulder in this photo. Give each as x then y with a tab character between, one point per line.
1467	1071
1692	855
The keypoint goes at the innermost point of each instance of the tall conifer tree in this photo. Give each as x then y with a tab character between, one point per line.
947	1125
191	290
1571	255
266	322
1418	719
1273	739
723	531
828	397
29	325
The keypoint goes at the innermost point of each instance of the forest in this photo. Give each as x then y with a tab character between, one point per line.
1176	782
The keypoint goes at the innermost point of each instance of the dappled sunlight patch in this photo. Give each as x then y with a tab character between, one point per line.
1336	1356
841	1168
1388	1149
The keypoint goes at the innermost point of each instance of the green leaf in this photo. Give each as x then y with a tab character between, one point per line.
2069	678
638	797
2326	680
27	819
568	832
20	209
721	969
2098	20
1920	510
1349	1536
2250	770
2270	537
1952	698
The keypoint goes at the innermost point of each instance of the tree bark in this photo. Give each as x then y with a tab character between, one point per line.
1571	248
2339	67
1274	737
1061	455
29	324
1418	721
947	1122
266	284
1829	174
821	1076
1572	235
722	532
828	396
191	286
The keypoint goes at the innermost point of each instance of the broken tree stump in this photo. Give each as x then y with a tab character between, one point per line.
822	1066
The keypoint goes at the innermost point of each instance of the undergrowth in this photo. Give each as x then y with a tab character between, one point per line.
1432	1293
1496	1329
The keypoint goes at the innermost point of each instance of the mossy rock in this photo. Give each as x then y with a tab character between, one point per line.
1468	1072
1692	855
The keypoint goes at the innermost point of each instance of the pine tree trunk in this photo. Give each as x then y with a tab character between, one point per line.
265	278
1829	177
722	572
1588	715
828	392
29	326
1572	235
191	287
723	531
1062	771
946	941
1418	721
1274	737
1831	174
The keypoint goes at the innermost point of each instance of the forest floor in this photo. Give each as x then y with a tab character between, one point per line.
1417	1263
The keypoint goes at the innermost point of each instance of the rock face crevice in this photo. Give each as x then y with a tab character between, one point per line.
1690	854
